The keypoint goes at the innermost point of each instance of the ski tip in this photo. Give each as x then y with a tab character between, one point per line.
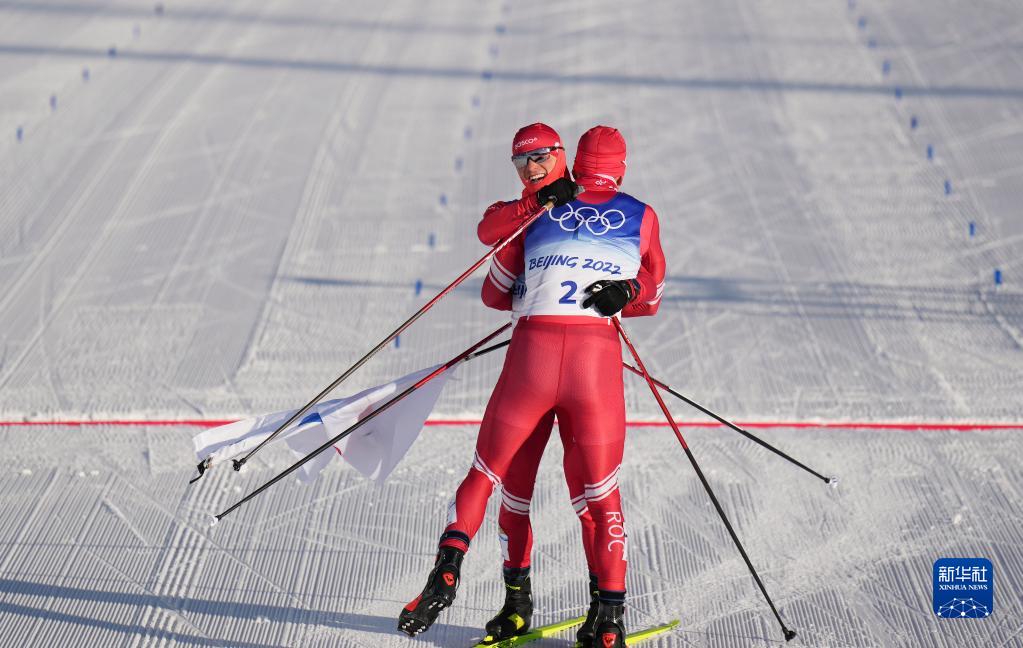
650	633
833	482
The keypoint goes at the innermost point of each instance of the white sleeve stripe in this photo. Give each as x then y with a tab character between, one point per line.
497	269
657	297
503	269
499	280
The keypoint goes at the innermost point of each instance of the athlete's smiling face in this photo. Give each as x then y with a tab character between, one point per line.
534	172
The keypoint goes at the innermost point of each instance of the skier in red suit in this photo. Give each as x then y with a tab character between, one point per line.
595	254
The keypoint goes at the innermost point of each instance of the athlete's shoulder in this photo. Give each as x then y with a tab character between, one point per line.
629	199
497	205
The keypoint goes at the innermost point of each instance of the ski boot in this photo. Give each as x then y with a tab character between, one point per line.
584	635
609	631
516	617
438	594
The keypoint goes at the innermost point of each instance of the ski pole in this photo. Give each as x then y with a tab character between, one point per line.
789	634
827	480
238	463
465	355
204	465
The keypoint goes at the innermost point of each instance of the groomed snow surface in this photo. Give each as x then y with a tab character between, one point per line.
211	209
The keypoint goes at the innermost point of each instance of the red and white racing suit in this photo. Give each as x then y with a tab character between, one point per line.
563	361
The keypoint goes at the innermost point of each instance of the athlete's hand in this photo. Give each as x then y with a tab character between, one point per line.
609	296
562	191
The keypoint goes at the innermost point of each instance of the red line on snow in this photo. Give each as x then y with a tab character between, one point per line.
845	425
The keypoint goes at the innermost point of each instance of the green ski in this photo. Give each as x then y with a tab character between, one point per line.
649	633
535	634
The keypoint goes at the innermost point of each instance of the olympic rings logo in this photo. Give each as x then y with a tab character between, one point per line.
599	223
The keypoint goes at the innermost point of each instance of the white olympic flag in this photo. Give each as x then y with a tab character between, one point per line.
374	449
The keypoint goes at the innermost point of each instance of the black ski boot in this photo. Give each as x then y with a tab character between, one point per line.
516	617
584	635
610	626
438	594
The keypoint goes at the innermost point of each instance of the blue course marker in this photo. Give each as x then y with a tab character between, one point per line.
475	102
948	187
913	122
998	277
443	200
871	43
419	286
930	151
973	229
862	22
431	241
458	164
20	133
112	52
500	29
397	341
85	74
468	130
886	67
53	102
898	92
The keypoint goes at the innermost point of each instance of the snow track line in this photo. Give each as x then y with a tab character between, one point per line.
82	197
829	425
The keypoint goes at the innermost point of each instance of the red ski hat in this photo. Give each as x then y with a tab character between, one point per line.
534	136
601	152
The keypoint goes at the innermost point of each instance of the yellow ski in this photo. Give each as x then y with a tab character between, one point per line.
649	633
533	635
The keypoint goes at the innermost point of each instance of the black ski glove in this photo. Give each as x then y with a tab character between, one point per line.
609	296
562	191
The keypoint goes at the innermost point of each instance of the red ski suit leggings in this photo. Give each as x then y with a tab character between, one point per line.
574	371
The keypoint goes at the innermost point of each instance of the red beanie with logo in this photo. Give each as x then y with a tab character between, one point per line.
601	152
532	137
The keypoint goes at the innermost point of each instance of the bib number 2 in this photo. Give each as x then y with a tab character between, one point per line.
568	297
